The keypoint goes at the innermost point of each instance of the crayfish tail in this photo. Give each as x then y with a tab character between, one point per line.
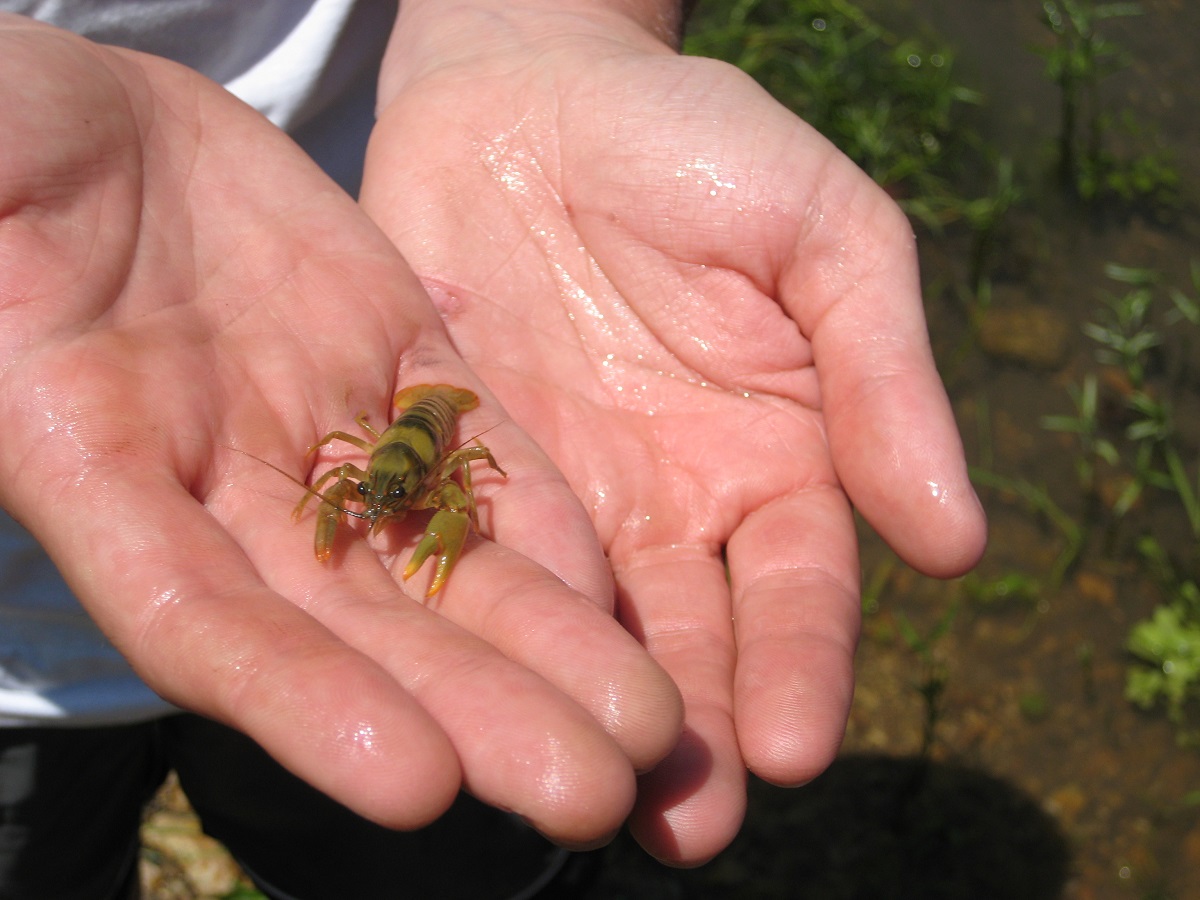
461	398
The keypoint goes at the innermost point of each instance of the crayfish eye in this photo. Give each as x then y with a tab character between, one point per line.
396	493
361	487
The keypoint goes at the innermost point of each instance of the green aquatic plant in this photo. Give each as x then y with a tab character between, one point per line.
935	673
985	216
1147	458
1094	447
887	103
1158	461
1079	59
1183	321
1146	178
1187	308
1168	645
923	646
874	583
1039	502
1008	587
245	893
1127	339
1124	333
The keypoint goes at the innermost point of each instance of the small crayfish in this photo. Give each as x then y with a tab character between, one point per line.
409	467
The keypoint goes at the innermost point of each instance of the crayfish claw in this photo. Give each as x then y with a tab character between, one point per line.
446	534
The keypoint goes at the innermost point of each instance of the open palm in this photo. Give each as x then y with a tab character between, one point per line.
711	321
183	297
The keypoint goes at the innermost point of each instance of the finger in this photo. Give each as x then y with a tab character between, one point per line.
892	435
534	512
677	602
528	615
794	571
181	602
524	745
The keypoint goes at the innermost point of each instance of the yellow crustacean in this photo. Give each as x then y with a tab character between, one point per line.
410	466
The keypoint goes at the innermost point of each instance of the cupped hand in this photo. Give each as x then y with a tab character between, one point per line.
712	322
186	304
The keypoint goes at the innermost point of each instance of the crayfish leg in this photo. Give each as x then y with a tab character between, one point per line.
460	460
331	511
331	514
348	438
335	494
329	517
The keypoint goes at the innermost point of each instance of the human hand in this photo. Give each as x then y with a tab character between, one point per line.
712	322
185	301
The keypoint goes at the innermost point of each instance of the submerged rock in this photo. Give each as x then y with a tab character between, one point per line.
1028	335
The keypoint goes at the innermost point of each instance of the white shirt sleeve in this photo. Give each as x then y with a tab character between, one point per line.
55	665
307	65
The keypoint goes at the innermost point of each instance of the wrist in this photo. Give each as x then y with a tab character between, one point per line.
662	19
432	34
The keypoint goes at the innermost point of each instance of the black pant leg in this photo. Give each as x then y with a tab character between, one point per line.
70	807
298	843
